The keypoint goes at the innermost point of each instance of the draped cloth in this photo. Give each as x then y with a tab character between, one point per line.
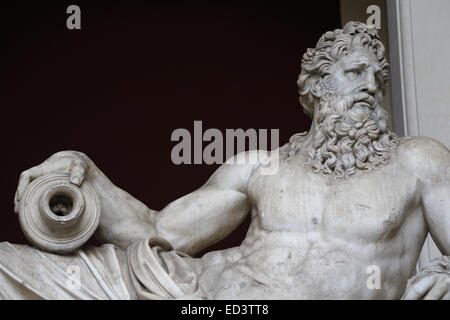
158	272
148	269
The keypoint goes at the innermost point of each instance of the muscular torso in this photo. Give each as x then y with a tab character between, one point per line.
315	238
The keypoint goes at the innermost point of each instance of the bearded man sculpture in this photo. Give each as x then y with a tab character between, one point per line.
348	197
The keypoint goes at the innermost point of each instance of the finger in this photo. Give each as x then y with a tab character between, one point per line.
437	291
16	203
417	290
25	178
77	172
29	175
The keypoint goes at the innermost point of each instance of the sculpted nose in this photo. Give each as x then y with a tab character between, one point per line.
371	84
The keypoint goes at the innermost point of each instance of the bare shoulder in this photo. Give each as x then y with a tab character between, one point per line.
426	158
236	171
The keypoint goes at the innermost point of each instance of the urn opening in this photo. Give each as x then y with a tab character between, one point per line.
61	204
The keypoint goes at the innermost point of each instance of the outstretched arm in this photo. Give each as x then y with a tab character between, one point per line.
194	221
190	223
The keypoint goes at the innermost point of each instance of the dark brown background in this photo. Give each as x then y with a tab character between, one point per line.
117	88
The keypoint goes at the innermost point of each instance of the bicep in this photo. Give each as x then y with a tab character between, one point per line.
202	217
436	207
207	215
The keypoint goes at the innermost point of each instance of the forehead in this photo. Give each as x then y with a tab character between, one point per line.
359	56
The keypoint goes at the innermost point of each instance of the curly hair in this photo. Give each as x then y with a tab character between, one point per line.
317	62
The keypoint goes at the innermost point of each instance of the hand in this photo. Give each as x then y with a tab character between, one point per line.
73	163
433	283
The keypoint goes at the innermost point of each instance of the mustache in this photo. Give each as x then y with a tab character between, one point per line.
357	106
363	98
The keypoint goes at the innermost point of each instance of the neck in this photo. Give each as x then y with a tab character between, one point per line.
308	140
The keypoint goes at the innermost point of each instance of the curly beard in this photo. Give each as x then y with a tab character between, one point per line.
351	134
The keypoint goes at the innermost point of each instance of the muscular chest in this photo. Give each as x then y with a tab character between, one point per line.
368	205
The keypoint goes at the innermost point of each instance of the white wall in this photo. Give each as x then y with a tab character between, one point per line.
430	28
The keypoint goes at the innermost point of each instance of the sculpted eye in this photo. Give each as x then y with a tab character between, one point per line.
353	74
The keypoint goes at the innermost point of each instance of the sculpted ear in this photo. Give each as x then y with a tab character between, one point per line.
316	87
310	89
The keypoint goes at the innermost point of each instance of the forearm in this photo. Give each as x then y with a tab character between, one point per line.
190	223
124	219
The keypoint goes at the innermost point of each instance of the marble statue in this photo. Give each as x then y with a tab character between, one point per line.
349	196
